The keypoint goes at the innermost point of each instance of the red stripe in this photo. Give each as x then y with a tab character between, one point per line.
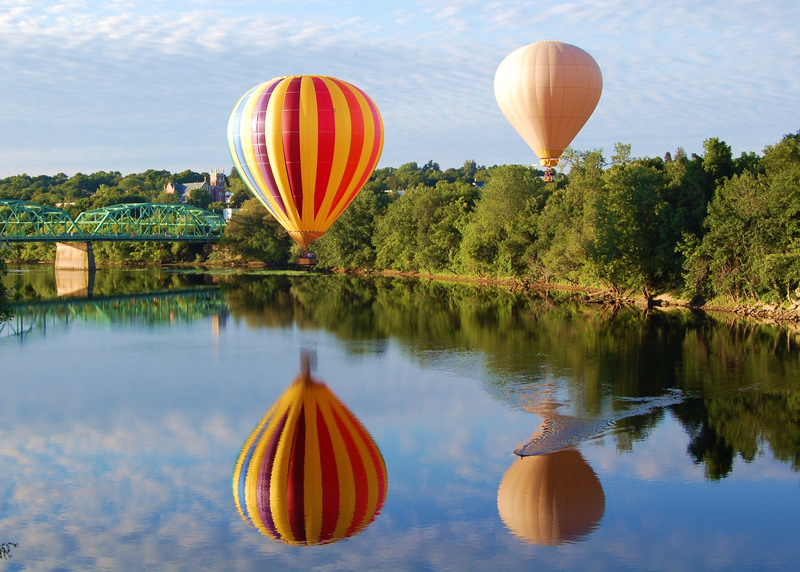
291	142
356	143
264	481
377	460
373	156
360	482
295	498
326	141
330	481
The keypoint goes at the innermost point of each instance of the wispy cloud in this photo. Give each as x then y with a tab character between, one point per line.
135	85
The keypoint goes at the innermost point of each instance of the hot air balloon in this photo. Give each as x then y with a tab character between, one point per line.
548	91
309	473
551	499
305	146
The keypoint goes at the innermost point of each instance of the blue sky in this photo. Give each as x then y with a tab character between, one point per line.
133	85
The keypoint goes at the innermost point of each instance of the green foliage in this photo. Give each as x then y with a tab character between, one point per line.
752	244
701	224
422	230
348	242
253	234
499	237
625	249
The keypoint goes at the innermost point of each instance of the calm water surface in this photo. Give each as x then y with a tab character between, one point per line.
657	442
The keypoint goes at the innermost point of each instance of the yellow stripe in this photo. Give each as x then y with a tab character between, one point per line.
344	470
243	454
252	483
260	185
313	469
309	149
366	152
371	471
280	469
277	158
340	153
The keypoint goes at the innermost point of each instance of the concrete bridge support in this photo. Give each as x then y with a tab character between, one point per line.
74	256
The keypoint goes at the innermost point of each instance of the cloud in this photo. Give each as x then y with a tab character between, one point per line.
126	86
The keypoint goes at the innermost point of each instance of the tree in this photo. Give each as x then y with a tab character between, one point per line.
199	198
499	236
626	246
255	235
348	243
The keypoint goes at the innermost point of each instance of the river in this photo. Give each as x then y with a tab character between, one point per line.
436	426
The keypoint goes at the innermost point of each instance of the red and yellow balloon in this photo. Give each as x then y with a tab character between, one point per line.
309	473
305	145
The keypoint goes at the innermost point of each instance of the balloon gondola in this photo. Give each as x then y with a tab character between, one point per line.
305	145
548	91
309	473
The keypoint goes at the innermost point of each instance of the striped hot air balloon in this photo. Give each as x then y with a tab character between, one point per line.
309	473
305	146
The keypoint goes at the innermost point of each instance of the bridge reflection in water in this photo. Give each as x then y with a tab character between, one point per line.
150	308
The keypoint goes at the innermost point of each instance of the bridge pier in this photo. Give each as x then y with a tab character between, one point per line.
74	256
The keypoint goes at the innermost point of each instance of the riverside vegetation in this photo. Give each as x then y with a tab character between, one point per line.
707	226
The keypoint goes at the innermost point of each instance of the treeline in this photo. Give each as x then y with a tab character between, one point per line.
82	192
706	225
709	225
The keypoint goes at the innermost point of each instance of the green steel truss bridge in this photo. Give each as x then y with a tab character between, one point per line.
21	221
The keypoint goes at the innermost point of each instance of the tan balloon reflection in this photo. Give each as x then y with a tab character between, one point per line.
551	499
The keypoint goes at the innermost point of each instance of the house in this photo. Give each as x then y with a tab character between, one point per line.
214	185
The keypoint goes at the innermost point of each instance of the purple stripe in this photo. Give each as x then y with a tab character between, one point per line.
259	122
265	478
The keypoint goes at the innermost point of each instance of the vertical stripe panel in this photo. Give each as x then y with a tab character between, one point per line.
370	147
295	480
259	142
341	150
360	485
326	136
276	151
355	151
290	120
309	144
313	484
279	476
330	478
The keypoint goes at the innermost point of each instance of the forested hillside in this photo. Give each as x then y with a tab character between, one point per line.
707	225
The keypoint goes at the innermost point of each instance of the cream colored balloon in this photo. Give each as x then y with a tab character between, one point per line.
551	499
548	91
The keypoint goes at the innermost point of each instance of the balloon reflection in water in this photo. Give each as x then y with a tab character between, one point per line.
551	499
309	473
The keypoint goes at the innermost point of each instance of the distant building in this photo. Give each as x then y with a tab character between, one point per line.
228	213
214	185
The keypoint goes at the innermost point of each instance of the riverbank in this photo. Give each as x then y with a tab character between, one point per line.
780	314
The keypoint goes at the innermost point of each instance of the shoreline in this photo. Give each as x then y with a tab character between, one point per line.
776	314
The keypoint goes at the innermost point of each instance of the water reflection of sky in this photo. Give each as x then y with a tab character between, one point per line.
117	448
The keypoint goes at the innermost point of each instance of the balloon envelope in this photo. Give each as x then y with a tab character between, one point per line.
548	91
551	499
305	146
309	473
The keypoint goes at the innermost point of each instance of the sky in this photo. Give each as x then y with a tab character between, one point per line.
127	86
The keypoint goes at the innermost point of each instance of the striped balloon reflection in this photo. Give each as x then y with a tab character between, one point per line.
309	473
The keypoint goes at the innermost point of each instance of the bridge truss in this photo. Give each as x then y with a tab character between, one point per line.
22	221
